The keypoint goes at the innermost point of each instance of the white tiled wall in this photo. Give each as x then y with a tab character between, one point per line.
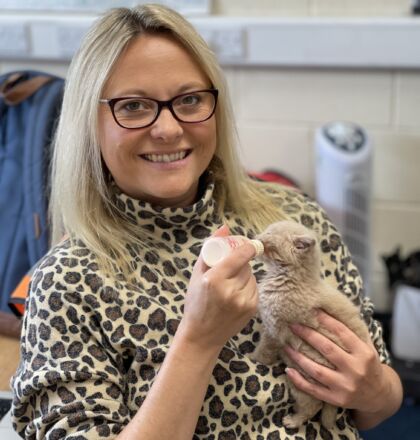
407	109
396	166
360	8
307	96
262	7
278	110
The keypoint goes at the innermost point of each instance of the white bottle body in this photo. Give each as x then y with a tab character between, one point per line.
216	248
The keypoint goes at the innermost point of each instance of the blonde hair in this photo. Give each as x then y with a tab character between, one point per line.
81	202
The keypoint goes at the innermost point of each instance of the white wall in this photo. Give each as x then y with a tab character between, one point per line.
279	108
376	8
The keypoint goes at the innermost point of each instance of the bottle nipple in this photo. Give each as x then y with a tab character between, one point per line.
259	247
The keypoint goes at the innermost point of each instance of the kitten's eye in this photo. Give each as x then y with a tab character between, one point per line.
303	243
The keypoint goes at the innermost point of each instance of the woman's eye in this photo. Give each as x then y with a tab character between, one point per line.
135	106
190	100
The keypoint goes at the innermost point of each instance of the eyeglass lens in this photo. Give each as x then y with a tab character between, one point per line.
139	112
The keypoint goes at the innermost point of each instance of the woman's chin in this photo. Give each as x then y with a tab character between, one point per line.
172	197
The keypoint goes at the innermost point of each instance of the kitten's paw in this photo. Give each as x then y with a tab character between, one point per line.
293	421
258	357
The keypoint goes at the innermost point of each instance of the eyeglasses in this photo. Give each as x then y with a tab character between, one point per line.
139	112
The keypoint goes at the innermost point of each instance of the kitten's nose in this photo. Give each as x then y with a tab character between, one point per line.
260	237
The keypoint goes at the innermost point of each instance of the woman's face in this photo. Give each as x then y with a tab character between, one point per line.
155	66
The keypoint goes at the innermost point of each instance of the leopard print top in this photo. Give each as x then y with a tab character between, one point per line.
92	345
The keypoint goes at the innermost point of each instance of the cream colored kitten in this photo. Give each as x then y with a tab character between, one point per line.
290	292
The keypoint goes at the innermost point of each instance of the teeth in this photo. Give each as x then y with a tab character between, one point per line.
166	157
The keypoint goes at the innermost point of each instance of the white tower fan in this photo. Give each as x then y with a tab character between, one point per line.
344	186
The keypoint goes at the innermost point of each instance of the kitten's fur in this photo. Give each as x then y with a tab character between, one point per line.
290	292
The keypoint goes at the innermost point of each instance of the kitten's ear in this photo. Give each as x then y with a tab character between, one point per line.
303	242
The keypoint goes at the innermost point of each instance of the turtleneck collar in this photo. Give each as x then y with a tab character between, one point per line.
202	211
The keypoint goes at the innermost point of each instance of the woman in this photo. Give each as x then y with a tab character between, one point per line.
128	334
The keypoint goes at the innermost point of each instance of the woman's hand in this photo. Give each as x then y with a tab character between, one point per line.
358	380
220	300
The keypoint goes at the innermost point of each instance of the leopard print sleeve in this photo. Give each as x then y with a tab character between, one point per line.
339	269
69	381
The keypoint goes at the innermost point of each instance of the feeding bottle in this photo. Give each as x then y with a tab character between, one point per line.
216	248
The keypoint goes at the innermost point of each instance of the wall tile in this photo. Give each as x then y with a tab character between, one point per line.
381	296
361	7
396	173
285	149
262	7
292	95
393	226
408	101
231	76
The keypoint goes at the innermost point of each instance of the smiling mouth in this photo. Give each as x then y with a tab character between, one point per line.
166	158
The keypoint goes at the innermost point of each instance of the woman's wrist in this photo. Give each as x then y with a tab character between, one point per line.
387	402
188	344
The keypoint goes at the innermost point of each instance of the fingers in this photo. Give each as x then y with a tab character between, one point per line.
324	375
238	258
318	391
329	349
350	341
233	268
324	380
245	297
338	355
353	379
223	231
244	276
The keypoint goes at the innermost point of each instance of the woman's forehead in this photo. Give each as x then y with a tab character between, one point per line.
155	63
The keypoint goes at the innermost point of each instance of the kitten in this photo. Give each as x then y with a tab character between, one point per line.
290	292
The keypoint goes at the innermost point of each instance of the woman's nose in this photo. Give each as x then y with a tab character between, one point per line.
166	127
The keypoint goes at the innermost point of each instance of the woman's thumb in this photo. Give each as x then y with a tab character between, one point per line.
223	231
